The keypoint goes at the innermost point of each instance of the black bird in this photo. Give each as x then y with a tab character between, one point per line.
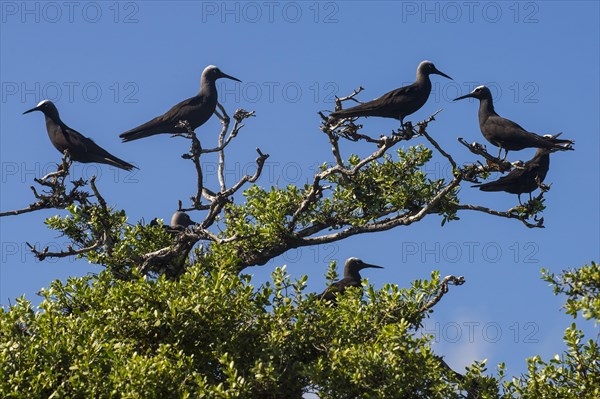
351	278
397	103
505	133
524	179
179	222
81	149
196	110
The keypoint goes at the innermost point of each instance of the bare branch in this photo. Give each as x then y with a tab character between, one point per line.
260	162
196	151
442	291
170	259
510	214
225	123
383	224
194	155
57	196
222	198
45	253
105	219
238	116
340	100
493	163
423	132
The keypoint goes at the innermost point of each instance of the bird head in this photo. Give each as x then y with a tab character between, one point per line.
427	68
354	265
46	106
480	93
212	73
181	219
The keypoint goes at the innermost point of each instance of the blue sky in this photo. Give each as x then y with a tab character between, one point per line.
111	66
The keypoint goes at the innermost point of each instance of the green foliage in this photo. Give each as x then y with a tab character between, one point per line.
575	373
582	286
531	208
381	188
212	334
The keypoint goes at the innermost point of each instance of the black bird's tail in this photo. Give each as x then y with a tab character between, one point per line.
150	128
552	142
135	134
353	112
95	153
119	163
497	185
562	144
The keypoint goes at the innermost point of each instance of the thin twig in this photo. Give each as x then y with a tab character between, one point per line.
45	253
422	126
340	100
194	155
442	291
225	123
56	197
511	214
494	163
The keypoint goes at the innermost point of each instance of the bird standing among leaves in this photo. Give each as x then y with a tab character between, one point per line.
397	103
195	110
179	222
81	149
505	133
351	278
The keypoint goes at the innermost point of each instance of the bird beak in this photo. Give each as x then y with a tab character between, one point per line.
31	110
368	265
438	72
224	75
470	95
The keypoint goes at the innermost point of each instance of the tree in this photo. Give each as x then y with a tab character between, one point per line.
575	373
168	318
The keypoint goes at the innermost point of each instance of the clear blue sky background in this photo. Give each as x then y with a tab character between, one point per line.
110	67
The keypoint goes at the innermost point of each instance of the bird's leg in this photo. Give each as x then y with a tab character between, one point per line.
519	197
499	152
530	198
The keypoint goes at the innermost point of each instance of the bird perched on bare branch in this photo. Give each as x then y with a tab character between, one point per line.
81	149
195	110
397	103
505	133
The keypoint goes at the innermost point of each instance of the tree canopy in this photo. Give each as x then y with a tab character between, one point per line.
174	315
